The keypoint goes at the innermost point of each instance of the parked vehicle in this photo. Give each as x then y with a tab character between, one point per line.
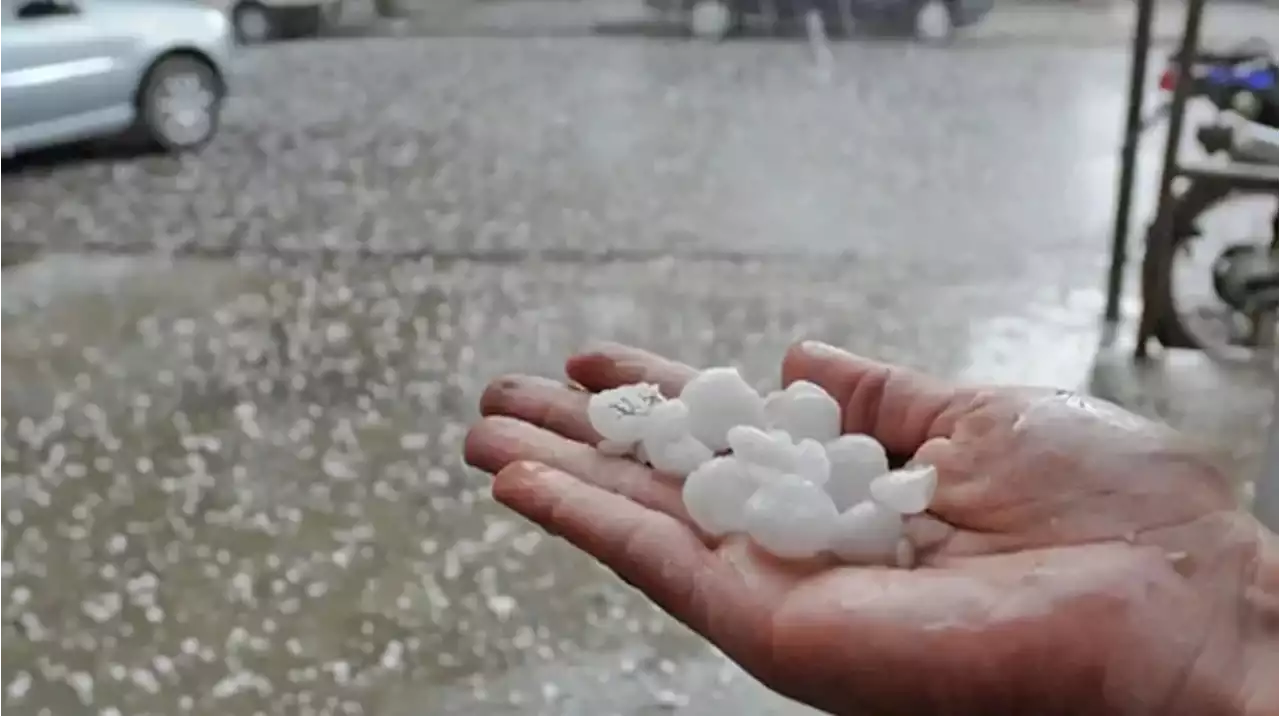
928	20
1242	84
258	21
79	69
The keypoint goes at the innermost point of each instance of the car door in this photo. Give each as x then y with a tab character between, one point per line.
59	71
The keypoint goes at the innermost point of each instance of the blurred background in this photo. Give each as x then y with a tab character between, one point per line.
260	259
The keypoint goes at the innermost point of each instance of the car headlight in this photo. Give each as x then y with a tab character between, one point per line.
217	21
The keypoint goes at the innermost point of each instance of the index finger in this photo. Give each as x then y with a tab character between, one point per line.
895	405
652	551
610	365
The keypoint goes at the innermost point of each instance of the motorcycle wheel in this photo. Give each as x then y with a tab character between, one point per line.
1157	267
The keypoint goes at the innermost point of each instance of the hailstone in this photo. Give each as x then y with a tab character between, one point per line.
811	462
804	410
668	421
753	445
866	533
620	414
716	495
907	491
791	518
793	483
678	457
719	399
805	387
855	461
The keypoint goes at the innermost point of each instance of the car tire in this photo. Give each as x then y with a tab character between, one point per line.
254	23
180	104
710	20
933	23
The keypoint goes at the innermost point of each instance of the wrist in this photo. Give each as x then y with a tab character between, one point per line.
1232	569
1261	628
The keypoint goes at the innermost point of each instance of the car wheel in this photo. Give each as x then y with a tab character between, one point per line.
710	20
254	24
933	22
181	104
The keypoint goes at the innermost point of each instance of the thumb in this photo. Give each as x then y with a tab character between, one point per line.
897	406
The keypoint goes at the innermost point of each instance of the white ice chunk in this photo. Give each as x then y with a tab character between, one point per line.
811	462
615	448
805	387
781	436
719	399
679	457
667	422
855	461
907	491
816	417
620	414
753	445
774	408
716	495
763	475
804	410
667	435
791	519
867	533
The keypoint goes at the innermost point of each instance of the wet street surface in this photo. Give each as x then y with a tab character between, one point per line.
237	383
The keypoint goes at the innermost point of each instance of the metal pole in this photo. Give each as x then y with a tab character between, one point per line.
1129	157
1266	489
1158	243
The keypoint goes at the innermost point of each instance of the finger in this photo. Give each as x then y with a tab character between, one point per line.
542	402
498	441
610	365
927	535
656	554
954	466
897	406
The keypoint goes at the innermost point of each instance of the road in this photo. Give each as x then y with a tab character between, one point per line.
237	383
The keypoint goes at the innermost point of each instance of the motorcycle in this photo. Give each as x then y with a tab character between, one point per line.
1242	85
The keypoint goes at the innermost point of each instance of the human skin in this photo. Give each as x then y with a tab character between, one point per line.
1076	559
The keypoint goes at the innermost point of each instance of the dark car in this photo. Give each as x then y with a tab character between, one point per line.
930	20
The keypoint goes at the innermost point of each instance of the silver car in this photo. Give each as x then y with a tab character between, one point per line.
80	69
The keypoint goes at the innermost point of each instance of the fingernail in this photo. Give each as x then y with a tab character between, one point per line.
818	349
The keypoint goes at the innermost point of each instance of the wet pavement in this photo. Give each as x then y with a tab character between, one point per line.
237	383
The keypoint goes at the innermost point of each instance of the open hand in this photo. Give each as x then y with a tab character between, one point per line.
1076	559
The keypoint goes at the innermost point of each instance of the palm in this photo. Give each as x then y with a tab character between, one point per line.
1030	548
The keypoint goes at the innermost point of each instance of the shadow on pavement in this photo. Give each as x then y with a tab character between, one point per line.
94	150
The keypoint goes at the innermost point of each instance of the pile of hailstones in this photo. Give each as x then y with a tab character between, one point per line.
775	468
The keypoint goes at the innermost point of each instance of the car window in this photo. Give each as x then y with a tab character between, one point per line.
40	9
